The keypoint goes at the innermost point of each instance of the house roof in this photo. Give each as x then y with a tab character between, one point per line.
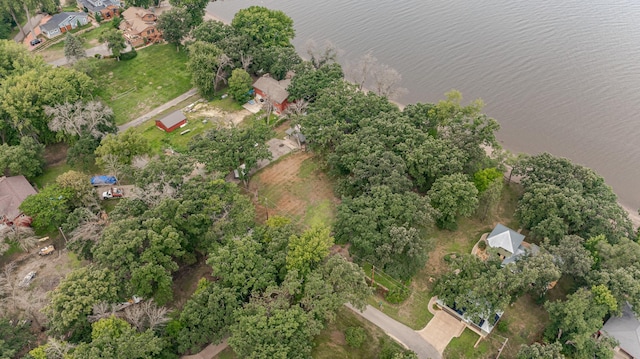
133	17
276	90
97	5
626	330
13	190
505	238
57	19
172	119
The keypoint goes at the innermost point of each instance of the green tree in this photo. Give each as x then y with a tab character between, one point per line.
453	196
309	81
489	199
98	17
572	257
13	337
203	64
174	25
48	208
206	316
539	271
541	351
73	49
265	27
82	152
484	178
308	250
240	85
277	60
194	8
114	338
73	299
432	159
226	149
25	159
212	31
79	184
114	40
124	146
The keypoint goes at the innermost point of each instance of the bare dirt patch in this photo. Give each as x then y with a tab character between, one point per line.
212	113
55	154
293	187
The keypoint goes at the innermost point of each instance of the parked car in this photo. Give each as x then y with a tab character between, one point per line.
35	42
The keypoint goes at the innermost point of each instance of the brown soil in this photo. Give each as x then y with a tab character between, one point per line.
55	154
294	194
338	338
185	281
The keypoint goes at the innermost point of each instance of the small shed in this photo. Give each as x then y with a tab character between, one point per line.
172	121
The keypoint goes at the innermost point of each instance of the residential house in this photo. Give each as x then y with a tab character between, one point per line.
13	190
139	26
484	327
63	22
626	330
172	121
107	8
509	243
269	89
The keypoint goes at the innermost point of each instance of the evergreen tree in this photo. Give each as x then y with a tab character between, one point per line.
73	49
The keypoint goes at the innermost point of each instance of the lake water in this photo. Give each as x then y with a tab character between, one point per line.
559	76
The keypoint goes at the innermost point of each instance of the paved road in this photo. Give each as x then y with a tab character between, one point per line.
101	49
400	332
138	121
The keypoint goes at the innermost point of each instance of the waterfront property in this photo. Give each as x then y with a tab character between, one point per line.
507	242
63	22
269	89
139	26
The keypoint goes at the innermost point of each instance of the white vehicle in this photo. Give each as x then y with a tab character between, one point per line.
113	193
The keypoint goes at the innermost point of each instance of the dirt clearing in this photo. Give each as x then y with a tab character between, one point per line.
294	187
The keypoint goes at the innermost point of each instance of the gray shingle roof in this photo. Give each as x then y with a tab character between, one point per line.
57	19
505	238
626	330
276	90
172	119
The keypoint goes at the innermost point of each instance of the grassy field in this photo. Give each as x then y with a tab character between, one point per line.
157	75
462	347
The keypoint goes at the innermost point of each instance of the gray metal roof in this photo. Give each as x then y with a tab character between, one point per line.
626	330
505	238
57	19
172	119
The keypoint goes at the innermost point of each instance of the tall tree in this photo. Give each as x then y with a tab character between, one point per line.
124	146
308	250
174	25
265	27
453	196
49	207
194	10
240	85
74	120
73	49
115	42
203	64
24	159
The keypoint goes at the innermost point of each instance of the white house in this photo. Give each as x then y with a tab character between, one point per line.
63	22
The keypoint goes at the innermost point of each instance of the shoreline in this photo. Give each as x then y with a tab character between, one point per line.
634	216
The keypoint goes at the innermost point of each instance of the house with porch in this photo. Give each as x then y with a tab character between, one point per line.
65	21
107	8
269	89
626	330
14	190
139	26
507	242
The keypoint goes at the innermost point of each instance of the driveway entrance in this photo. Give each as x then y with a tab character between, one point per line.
441	329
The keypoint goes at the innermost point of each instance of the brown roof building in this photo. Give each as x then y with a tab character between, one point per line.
139	26
13	190
268	88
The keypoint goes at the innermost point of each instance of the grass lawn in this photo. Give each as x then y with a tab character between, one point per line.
226	354
523	323
157	75
50	174
462	347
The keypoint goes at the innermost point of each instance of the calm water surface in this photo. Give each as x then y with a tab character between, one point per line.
559	76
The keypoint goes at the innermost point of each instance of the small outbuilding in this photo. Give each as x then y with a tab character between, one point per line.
172	121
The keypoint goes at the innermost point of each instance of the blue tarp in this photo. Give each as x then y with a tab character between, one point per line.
103	180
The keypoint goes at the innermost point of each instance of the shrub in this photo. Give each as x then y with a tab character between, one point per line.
128	55
97	56
397	295
355	336
482	245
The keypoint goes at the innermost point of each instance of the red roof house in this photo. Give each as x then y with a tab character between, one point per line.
269	89
13	190
172	121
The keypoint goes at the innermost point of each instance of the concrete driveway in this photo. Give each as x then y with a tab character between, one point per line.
441	329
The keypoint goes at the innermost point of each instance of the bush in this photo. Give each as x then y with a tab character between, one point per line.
397	295
97	56
482	245
128	55
355	336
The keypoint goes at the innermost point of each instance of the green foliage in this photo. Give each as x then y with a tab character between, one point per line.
129	55
114	338
309	81
72	300
453	196
381	228
212	31
397	295
264	27
98	17
73	49
539	271
117	20
276	60
194	10
240	85
24	159
114	40
49	208
81	154
392	350
484	178
174	25
206	317
79	186
541	351
308	250
203	65
123	146
574	259
482	245
355	336
13	337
